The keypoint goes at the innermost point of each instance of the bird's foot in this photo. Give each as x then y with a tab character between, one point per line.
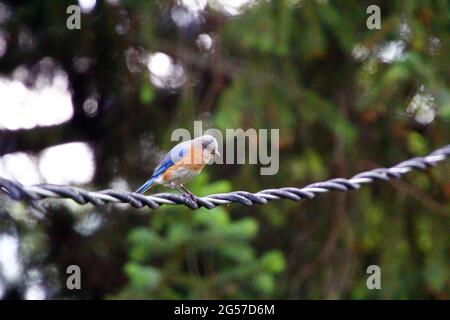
187	194
191	197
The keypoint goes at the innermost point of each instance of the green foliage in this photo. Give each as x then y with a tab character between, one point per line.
204	251
345	99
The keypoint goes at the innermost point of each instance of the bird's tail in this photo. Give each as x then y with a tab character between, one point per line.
146	185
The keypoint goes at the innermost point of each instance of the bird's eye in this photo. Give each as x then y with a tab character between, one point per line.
204	145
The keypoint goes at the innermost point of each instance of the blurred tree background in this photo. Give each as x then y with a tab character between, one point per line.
344	97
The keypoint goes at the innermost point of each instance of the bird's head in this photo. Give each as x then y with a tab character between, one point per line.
209	146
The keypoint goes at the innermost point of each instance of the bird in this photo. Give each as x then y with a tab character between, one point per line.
182	163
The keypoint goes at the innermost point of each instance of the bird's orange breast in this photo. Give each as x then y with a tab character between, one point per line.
168	174
193	160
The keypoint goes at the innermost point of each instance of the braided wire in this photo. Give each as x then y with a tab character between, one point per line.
17	191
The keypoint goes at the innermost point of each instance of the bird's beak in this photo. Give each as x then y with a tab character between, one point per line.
216	153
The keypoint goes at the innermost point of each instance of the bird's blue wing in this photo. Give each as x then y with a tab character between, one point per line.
175	154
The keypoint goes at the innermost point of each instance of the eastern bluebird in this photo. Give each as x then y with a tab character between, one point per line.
182	163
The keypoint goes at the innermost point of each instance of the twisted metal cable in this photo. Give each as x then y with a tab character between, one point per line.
17	191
